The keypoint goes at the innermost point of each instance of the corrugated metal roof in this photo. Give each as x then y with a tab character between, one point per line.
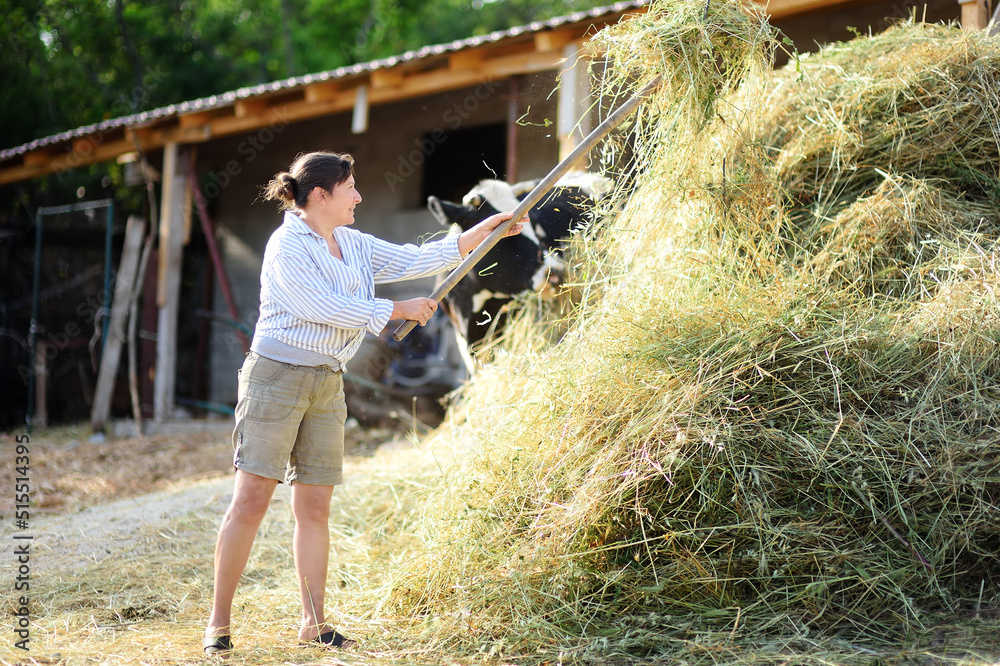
229	98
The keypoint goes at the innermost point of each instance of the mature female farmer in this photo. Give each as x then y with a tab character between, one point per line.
317	299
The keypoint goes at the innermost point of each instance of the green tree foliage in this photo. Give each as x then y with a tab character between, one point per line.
76	62
68	63
447	20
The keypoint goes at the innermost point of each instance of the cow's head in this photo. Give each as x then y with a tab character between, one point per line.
485	199
488	198
449	213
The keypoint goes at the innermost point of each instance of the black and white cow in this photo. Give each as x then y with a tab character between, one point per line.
531	260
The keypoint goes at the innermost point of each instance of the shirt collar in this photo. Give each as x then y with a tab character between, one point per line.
298	225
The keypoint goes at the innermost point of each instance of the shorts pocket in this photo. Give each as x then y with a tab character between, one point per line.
273	392
340	413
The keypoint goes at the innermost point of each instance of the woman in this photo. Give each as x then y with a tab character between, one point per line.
317	299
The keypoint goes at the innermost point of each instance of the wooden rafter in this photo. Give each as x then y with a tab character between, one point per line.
468	59
553	40
386	78
318	92
779	9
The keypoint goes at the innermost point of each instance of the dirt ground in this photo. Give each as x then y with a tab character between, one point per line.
101	513
69	473
121	556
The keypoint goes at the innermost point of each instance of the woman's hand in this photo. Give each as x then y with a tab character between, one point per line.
470	240
419	310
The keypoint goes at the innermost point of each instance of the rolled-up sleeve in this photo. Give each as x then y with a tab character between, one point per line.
392	262
295	285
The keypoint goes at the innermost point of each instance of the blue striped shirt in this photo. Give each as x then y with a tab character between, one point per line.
312	301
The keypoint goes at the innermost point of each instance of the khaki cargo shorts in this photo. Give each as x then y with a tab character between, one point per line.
290	422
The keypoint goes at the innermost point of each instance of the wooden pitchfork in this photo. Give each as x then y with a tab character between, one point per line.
533	198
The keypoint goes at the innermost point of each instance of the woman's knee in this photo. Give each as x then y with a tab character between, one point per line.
251	499
311	503
248	509
312	514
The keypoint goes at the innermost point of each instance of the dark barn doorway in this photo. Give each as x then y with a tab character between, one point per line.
462	159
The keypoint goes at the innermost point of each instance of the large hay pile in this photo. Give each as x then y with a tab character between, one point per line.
776	410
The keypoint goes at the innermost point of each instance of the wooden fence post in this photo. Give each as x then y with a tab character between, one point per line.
174	214
135	232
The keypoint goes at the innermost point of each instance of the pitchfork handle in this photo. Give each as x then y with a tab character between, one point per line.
533	198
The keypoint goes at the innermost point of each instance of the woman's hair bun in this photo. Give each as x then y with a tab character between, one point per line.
281	188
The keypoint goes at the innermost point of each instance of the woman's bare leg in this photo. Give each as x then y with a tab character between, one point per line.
311	546
251	497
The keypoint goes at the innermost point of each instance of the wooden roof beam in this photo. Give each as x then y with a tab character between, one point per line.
386	78
249	107
14	174
37	157
85	151
319	92
142	137
464	60
197	119
554	40
779	9
424	83
530	62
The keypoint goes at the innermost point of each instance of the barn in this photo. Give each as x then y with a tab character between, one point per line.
427	122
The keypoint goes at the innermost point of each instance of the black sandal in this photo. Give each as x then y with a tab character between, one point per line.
334	639
219	645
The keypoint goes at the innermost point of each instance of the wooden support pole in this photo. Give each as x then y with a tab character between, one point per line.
168	295
147	339
40	417
573	122
359	118
975	14
213	249
135	232
513	115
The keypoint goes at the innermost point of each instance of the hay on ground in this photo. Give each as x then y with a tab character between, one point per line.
766	433
775	410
